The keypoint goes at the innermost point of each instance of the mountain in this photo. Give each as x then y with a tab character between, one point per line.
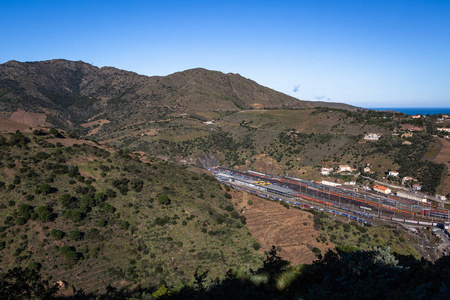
70	93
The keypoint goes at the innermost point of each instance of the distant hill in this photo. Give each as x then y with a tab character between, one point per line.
71	92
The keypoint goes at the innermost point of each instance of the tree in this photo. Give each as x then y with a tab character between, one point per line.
19	283
44	213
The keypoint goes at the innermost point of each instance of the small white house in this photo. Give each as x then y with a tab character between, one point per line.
417	187
407	178
326	171
343	168
366	170
393	173
441	197
372	136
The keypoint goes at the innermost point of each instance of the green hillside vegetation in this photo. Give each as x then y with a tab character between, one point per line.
94	216
344	273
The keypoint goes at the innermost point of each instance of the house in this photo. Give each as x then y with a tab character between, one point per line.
406	178
382	189
407	135
343	168
366	170
393	173
440	197
372	136
444	129
326	171
406	143
417	187
416	117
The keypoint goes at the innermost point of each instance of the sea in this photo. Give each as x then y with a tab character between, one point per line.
417	110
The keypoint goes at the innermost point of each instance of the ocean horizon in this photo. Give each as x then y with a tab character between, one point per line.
416	110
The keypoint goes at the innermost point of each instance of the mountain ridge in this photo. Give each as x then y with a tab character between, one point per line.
70	92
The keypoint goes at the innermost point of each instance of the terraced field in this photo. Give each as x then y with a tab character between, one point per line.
291	229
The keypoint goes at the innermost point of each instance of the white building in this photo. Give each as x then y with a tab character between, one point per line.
441	197
416	196
326	171
329	183
372	136
393	173
343	168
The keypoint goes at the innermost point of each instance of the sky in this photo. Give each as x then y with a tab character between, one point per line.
366	53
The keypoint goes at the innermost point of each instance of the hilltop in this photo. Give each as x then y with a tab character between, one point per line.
70	93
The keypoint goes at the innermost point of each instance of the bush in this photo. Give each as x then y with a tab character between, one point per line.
124	225
256	245
58	234
21	221
250	202
102	223
228	195
316	251
75	235
164	199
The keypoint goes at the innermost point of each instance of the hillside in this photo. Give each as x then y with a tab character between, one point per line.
188	116
94	216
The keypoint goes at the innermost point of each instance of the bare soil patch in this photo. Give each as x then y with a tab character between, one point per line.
70	142
29	118
273	224
7	125
91	125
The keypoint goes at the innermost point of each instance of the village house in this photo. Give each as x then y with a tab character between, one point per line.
406	178
406	143
366	170
326	171
393	173
343	168
416	117
407	135
417	187
372	136
444	129
382	189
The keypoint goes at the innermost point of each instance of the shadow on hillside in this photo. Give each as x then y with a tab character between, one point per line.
341	274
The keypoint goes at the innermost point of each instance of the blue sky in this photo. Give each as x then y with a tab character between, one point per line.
365	53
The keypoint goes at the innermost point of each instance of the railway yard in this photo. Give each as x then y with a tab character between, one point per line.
362	206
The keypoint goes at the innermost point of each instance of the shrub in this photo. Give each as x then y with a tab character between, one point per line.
124	225
102	223
164	199
227	195
21	221
256	245
58	234
75	235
